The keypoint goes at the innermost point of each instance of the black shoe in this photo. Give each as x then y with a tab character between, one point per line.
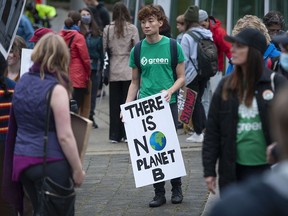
177	196
94	125
157	201
180	125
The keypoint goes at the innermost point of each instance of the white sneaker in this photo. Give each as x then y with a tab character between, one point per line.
195	138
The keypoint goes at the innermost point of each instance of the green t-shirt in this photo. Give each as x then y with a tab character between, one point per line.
251	144
155	61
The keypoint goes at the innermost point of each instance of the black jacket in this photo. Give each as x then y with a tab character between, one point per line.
101	15
221	128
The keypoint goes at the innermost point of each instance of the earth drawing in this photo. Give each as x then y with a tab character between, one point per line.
157	141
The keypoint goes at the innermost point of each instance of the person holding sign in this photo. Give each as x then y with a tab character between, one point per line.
156	75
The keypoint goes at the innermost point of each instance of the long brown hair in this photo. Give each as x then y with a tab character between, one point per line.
93	27
120	17
242	82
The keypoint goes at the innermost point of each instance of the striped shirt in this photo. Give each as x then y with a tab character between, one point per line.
5	105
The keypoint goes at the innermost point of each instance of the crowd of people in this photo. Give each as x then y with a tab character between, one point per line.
237	114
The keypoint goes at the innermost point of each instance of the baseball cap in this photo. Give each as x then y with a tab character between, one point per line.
39	33
250	37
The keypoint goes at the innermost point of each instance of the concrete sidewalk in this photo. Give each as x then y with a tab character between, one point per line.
109	187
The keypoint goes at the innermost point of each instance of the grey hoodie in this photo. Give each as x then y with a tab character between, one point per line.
189	47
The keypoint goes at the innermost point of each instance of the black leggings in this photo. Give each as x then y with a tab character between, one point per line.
58	171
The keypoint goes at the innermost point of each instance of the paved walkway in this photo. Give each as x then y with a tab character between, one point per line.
109	187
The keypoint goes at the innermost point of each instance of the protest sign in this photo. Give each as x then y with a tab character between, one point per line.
26	62
10	15
152	140
186	101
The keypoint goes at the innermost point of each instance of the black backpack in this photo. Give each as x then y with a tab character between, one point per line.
173	51
207	56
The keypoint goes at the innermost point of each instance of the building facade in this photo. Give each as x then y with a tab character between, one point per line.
228	11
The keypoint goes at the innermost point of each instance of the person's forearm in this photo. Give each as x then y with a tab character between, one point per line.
132	92
177	85
69	147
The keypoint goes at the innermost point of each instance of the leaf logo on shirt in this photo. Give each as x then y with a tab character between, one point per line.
248	112
144	61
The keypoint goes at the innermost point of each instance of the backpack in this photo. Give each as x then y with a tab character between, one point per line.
173	51
207	56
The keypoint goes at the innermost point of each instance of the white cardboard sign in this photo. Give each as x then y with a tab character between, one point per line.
152	140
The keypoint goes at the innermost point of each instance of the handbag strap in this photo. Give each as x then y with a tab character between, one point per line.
107	39
272	81
47	122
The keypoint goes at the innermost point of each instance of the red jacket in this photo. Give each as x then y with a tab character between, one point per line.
80	66
223	46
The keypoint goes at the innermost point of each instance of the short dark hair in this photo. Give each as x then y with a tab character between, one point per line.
274	18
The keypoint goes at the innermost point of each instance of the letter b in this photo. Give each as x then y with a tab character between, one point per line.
158	174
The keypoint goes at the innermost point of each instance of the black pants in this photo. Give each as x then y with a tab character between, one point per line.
95	81
58	171
159	187
243	172
78	95
117	95
198	115
6	209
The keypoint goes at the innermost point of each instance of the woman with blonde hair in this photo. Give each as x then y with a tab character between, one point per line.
271	54
48	75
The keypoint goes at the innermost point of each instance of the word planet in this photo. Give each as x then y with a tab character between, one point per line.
158	141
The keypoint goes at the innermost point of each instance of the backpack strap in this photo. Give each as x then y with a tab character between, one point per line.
173	52
174	56
194	36
137	51
197	40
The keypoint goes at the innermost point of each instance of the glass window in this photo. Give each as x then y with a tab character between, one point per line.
244	7
216	8
176	10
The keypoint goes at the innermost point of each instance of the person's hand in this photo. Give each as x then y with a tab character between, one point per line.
211	183
121	117
269	154
78	177
168	95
